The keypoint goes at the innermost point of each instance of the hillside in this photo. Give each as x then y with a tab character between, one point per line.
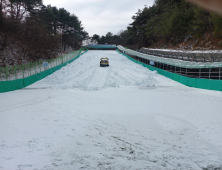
31	31
207	42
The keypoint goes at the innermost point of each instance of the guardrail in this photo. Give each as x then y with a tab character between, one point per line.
194	56
206	70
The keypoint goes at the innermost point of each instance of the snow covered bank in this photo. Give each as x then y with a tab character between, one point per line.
185	51
155	124
86	74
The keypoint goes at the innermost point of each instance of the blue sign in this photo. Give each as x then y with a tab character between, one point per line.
152	63
45	64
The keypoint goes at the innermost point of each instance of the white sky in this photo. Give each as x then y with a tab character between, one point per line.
102	16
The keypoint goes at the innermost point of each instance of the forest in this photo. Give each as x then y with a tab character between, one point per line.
167	24
30	31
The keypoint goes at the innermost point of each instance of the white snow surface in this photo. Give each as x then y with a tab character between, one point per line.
186	51
118	117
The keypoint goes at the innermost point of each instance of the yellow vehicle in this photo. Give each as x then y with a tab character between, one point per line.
104	62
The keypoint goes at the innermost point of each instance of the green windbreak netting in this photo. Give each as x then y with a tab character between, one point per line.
187	81
169	61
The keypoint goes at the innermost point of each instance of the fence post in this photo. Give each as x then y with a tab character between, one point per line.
199	72
219	73
6	73
30	68
40	66
209	72
35	67
15	72
23	70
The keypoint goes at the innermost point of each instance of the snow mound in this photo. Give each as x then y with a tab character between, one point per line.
86	74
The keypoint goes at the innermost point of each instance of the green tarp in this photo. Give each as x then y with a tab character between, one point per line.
203	83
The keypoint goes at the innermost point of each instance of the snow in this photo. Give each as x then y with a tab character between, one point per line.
119	117
186	51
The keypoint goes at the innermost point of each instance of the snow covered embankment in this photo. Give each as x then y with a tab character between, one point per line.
86	74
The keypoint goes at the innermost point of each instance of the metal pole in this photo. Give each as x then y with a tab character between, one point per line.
30	68
199	72
15	71
209	72
40	66
180	70
219	73
186	71
6	72
23	70
35	66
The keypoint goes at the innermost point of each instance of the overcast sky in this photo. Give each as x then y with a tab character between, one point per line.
102	16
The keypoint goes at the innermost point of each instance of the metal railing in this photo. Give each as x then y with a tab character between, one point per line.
26	70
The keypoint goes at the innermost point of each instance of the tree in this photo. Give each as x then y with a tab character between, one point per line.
95	38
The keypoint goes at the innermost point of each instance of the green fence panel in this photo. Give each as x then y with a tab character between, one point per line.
176	77
203	83
184	80
151	68
12	85
19	84
192	82
2	87
50	71
160	71
55	68
157	70
170	75
30	80
215	85
40	75
7	86
165	73
44	74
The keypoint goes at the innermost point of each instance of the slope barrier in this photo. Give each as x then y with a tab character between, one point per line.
11	85
207	84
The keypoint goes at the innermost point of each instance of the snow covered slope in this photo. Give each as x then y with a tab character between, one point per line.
121	117
86	74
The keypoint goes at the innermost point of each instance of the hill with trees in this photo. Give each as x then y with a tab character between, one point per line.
30	31
170	24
